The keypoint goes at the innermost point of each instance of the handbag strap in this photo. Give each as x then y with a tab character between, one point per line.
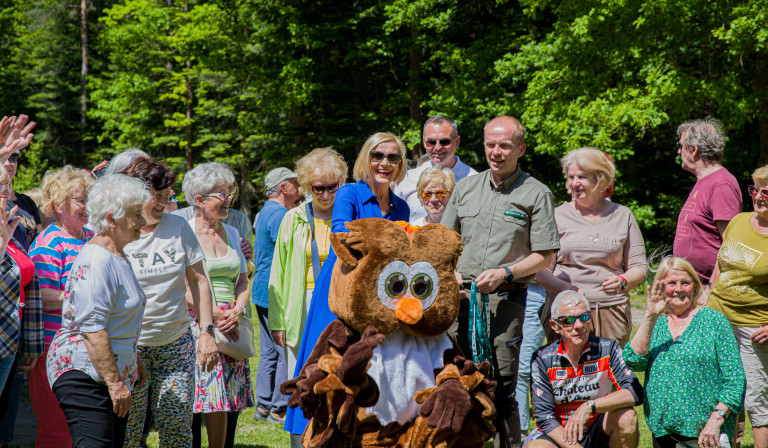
315	253
478	326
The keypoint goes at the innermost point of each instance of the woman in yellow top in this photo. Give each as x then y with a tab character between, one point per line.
740	292
301	247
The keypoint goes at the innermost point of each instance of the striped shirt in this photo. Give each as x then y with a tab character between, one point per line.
53	252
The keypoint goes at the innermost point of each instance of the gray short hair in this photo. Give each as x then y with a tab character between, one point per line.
205	177
122	160
113	193
707	134
272	192
568	297
439	119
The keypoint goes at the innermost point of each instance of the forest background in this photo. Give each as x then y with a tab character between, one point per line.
258	83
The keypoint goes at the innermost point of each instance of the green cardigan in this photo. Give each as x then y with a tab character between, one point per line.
686	378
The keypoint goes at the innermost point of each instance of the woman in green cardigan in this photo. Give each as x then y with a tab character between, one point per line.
694	381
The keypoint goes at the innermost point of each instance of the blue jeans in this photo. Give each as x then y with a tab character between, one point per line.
272	370
533	336
5	369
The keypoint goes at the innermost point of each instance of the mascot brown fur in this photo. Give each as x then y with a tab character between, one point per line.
385	374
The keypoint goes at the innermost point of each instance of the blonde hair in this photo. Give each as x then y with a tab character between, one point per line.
594	162
321	163
437	175
679	264
61	185
362	169
761	175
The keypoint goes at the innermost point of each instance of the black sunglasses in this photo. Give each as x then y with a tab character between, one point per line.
679	145
14	158
570	320
443	141
320	189
378	156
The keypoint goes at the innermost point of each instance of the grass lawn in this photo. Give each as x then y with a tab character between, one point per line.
261	434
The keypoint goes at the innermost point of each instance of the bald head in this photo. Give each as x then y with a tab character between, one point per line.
509	124
504	141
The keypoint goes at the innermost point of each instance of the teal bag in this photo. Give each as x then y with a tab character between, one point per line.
478	327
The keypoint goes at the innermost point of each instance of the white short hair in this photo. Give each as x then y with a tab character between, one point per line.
205	177
113	193
122	160
566	298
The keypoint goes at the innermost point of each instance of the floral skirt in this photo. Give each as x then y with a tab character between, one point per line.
225	388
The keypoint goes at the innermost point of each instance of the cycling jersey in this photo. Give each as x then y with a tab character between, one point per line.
558	388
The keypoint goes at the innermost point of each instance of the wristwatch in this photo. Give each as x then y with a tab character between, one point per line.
209	328
510	277
592	406
719	412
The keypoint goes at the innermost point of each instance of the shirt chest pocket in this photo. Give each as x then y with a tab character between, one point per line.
517	217
471	220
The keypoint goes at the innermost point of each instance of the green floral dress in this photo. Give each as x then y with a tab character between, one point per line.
686	378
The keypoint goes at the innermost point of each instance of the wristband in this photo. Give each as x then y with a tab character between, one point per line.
241	307
624	283
593	406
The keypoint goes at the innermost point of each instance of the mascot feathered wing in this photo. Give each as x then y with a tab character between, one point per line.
385	374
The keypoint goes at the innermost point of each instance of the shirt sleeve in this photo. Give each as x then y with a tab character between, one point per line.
273	226
729	361
276	315
94	294
638	363
725	202
193	253
31	342
49	265
544	234
623	376
344	209
542	397
634	247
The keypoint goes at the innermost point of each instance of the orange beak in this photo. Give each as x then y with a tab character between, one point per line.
409	310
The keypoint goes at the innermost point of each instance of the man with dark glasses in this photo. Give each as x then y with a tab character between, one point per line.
714	200
582	392
507	226
440	138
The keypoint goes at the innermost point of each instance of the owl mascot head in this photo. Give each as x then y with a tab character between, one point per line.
385	373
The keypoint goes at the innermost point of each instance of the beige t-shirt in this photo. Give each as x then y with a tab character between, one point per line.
590	252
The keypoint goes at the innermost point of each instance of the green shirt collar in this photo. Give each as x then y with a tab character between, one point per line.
506	183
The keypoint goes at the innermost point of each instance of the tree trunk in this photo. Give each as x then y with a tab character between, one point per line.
761	89
190	105
414	84
83	73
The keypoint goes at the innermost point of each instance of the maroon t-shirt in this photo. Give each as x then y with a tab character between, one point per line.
715	197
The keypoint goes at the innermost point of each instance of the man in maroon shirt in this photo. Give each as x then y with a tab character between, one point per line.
714	200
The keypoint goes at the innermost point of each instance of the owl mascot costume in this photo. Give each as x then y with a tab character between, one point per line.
385	374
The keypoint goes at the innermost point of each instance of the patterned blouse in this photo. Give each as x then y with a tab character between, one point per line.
686	378
102	293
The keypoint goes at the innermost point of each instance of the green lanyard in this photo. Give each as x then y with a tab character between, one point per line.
478	327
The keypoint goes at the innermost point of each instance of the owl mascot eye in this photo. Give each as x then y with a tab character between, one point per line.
385	374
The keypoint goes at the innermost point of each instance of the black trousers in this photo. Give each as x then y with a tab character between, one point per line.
670	441
89	411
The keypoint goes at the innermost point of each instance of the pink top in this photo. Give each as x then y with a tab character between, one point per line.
715	197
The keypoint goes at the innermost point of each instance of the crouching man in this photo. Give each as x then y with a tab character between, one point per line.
582	393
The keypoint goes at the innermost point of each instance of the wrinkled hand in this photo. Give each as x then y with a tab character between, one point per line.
14	135
574	428
208	355
354	362
121	398
8	223
247	248
142	371
229	321
448	406
27	365
709	437
489	280
612	285
460	281
760	336
278	336
655	302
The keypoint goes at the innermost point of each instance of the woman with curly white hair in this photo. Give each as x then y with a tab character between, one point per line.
93	360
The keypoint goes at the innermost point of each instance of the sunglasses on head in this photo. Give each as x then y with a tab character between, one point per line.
440	194
320	189
570	320
14	158
753	191
378	156
442	141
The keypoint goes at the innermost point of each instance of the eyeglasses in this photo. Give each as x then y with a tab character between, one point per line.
14	158
570	320
679	145
78	201
440	194
442	141
393	159
753	190
222	196
320	189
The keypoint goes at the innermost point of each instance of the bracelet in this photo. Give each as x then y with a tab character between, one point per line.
241	307
624	283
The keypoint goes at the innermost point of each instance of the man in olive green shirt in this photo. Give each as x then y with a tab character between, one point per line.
507	226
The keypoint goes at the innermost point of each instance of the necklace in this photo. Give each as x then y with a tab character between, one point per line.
684	322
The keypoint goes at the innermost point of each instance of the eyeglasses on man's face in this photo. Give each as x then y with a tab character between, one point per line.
431	142
570	320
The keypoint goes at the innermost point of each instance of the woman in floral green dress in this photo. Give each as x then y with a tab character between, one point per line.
694	381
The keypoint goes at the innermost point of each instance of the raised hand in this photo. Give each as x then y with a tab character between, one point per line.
654	297
8	223
14	135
